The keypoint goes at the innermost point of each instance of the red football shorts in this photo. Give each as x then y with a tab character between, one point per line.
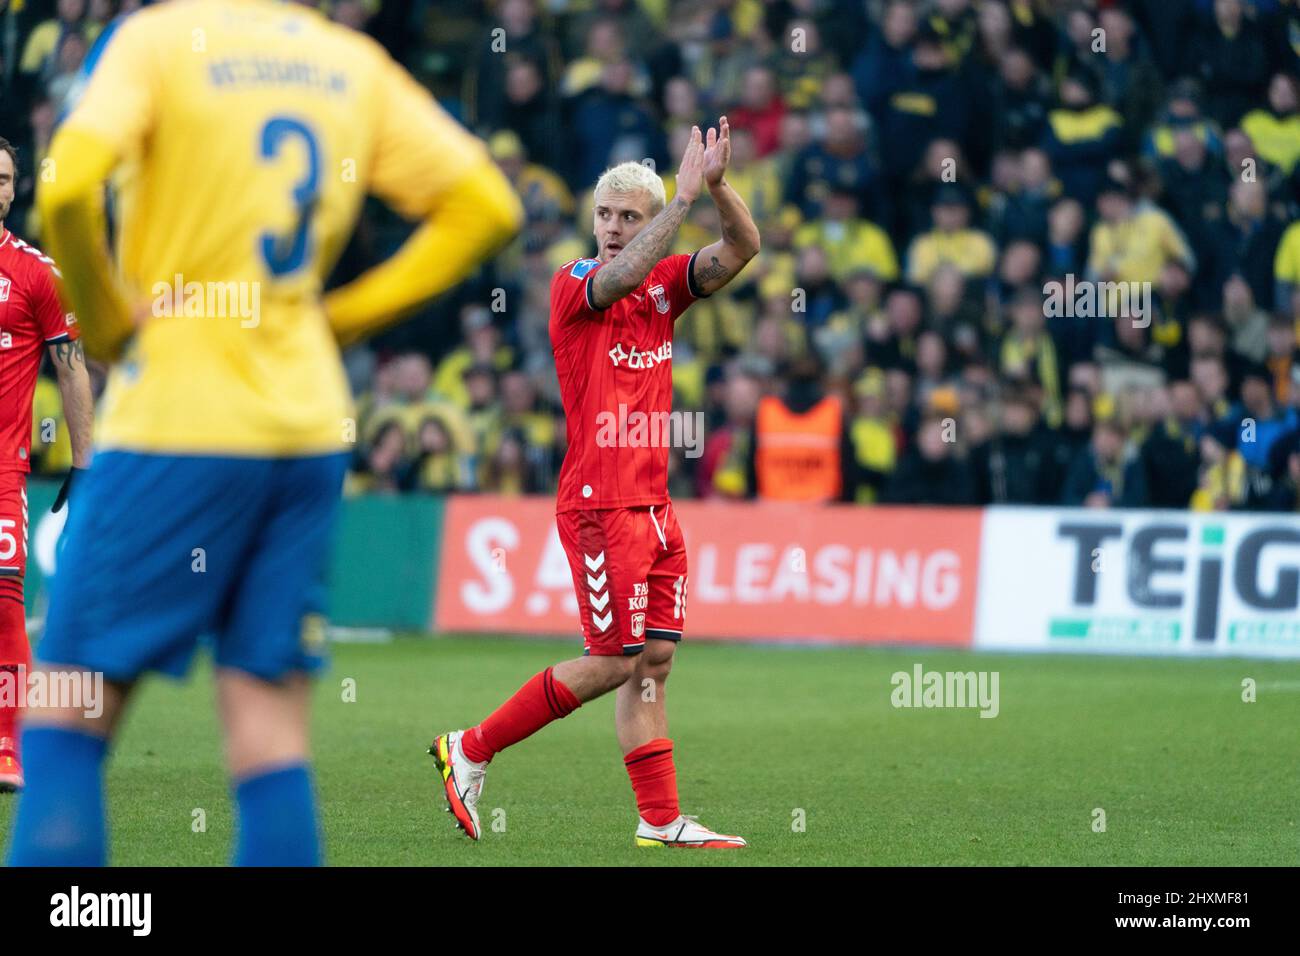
13	531
629	569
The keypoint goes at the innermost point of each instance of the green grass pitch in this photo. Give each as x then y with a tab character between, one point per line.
1184	770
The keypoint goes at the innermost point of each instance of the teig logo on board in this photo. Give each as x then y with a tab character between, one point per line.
1165	570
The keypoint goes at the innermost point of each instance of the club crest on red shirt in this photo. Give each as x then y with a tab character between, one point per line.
661	300
4	289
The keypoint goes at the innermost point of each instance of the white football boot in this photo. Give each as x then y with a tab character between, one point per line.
462	780
685	831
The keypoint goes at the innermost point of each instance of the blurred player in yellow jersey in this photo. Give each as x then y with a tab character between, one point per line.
241	137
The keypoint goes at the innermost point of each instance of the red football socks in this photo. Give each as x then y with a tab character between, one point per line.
540	701
15	655
654	781
9	696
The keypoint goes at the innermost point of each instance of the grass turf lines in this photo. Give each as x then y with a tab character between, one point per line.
1185	771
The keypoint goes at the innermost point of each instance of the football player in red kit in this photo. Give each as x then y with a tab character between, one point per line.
31	321
611	331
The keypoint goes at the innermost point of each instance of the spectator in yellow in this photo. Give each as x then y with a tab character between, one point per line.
843	337
1275	131
952	241
1133	242
380	465
1223	471
481	343
851	243
548	203
484	412
519	410
605	45
776	262
802	67
1182	113
1029	355
872	436
46	37
546	198
438	465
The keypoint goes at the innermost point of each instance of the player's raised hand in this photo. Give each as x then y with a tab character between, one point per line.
690	170
717	153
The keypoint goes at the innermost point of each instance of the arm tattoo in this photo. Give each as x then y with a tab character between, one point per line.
726	226
716	270
630	267
739	243
69	353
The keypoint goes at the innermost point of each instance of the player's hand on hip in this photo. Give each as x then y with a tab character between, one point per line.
717	153
691	169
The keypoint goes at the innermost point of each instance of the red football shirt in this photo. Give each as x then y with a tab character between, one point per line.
31	317
616	375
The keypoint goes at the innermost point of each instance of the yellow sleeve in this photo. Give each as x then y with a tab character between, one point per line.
477	215
420	152
111	121
71	207
425	165
1286	263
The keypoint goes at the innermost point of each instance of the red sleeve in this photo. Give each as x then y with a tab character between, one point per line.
677	275
51	318
571	292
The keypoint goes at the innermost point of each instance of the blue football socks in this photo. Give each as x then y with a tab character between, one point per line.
276	819
60	818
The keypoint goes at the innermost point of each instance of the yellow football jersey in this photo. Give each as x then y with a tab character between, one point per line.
247	133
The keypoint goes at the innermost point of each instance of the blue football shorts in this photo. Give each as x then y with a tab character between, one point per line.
162	553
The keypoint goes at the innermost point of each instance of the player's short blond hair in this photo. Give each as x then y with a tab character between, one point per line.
633	177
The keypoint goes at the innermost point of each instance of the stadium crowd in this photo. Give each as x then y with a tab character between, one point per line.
1013	251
